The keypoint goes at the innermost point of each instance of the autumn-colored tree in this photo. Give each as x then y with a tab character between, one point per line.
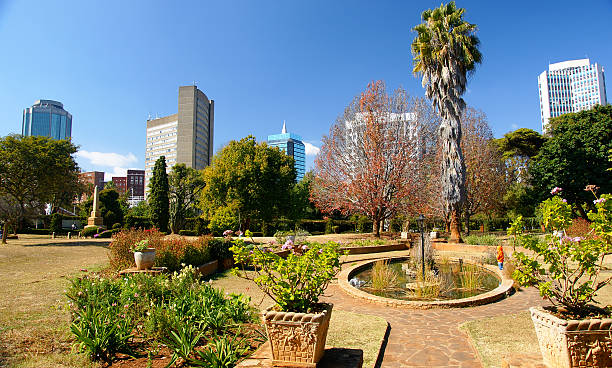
369	162
485	181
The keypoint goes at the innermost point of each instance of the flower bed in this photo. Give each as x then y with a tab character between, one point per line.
198	323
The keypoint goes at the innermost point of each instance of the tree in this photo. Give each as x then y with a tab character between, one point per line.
158	195
185	184
249	178
109	206
369	162
445	50
485	180
34	171
518	148
575	156
301	205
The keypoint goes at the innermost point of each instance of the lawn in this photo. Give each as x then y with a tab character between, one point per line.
34	321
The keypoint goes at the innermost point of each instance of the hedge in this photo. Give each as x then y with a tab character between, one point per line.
137	222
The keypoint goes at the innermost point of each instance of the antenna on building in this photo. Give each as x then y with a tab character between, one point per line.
284	128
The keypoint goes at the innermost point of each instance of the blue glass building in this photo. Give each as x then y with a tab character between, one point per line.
292	145
47	118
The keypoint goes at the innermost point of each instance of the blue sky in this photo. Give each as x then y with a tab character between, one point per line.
113	63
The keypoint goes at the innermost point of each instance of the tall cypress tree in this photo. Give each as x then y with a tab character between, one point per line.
158	195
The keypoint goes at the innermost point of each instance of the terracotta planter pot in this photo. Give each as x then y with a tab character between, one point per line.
297	339
145	259
573	343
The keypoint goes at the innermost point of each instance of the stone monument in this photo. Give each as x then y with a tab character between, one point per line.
95	219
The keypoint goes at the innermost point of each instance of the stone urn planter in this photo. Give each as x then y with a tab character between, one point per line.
297	339
573	343
145	259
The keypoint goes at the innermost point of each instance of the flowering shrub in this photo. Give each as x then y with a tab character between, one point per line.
294	283
566	269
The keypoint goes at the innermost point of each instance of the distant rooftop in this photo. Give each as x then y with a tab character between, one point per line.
569	64
49	102
284	135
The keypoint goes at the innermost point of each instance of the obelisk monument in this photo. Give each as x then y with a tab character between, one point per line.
95	219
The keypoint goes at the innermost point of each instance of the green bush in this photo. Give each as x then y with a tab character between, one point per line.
329	226
116	225
220	248
137	222
89	231
364	225
223	219
36	231
336	229
482	240
313	226
56	223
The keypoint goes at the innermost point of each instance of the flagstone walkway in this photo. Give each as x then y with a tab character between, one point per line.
431	338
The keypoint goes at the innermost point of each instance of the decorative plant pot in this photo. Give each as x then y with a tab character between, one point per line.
573	343
297	339
433	235
145	259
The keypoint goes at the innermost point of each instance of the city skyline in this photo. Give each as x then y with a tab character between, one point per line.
264	63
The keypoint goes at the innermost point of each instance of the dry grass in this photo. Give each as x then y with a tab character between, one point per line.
33	322
346	329
498	336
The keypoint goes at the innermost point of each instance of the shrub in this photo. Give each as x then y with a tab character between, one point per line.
313	226
116	225
106	233
137	222
329	226
481	240
300	236
283	279
364	225
366	243
89	231
37	231
222	220
579	227
220	248
336	229
56	223
566	269
383	276
120	254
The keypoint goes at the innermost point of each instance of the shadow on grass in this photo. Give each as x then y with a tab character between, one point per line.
75	243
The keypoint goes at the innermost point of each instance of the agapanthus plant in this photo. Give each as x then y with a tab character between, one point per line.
567	270
296	282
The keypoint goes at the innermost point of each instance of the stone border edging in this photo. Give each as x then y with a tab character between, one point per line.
491	296
376	248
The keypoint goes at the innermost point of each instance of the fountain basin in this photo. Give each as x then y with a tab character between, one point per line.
500	292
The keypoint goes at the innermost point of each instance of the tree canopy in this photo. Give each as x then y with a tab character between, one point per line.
34	171
575	156
251	179
185	184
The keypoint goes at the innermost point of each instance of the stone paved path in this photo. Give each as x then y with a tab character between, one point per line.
431	338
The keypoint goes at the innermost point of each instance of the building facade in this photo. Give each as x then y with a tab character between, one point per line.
185	137
91	179
570	86
120	183
293	146
135	185
47	118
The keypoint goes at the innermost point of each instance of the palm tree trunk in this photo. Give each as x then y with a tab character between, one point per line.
455	228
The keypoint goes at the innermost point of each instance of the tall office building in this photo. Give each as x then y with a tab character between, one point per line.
185	137
292	145
570	86
47	118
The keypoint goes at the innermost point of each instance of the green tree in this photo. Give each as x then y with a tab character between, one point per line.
301	205
575	156
518	148
185	184
445	50
109	206
252	178
34	171
158	195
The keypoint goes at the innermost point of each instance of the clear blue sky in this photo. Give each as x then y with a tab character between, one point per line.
114	62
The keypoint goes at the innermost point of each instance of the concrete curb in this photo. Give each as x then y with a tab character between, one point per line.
496	294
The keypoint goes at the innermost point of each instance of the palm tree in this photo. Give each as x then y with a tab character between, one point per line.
445	50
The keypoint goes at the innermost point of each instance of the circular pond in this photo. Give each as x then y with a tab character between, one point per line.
449	283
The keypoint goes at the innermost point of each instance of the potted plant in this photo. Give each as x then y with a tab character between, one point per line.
297	324
143	255
572	332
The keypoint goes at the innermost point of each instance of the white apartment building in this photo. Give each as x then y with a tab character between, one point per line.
185	137
570	86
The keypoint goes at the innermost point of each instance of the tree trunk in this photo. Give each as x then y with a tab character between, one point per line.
376	227
4	233
582	211
455	228
467	223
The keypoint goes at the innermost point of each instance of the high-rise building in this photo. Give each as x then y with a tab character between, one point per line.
185	137
570	86
47	118
292	145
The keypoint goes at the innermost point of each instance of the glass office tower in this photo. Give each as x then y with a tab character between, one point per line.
47	118
292	145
